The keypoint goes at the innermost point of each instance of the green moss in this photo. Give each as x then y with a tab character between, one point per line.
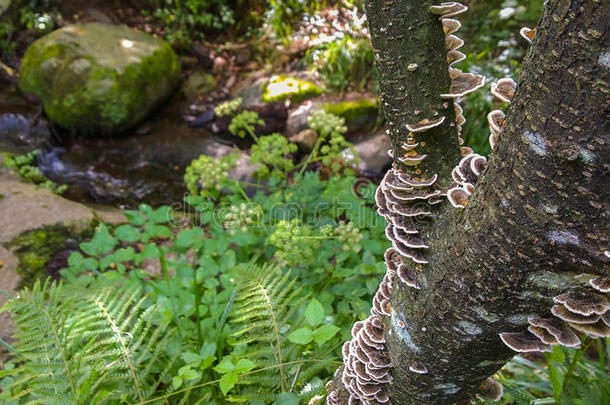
351	110
280	88
36	247
358	114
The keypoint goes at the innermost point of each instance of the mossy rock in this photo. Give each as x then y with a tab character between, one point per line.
35	248
279	88
358	114
99	78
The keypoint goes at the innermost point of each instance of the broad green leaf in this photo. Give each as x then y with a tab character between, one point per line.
227	381
176	381
101	243
225	367
190	357
314	313
301	336
135	217
244	365
325	333
127	233
75	259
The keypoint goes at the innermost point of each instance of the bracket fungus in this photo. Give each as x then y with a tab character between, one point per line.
448	9
504	89
581	309
425	124
524	342
583	302
418	368
528	33
496	121
556	328
453	42
455	56
491	389
463	84
601	284
458	197
450	25
412	159
465	175
408	276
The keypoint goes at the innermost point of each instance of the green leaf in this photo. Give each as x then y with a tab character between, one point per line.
244	365
127	233
75	259
101	243
225	367
188	237
301	336
227	381
135	217
190	357
325	333
159	231
314	314
176	381
162	215
191	374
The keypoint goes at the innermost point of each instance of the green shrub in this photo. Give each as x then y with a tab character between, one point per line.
345	63
188	20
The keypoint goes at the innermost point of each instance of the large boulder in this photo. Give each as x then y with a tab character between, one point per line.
99	78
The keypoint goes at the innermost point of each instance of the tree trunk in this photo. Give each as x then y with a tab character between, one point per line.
538	217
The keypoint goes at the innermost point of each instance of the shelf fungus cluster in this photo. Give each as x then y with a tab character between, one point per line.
461	83
465	175
503	90
581	310
366	365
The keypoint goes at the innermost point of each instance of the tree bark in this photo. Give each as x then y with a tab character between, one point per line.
539	216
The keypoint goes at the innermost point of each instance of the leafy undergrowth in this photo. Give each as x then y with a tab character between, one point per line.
257	291
566	376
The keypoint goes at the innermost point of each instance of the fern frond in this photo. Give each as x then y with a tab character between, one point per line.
77	347
264	307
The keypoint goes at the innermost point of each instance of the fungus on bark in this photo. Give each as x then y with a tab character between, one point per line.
583	302
524	342
458	197
528	33
601	284
496	121
453	42
412	159
418	368
491	389
594	330
466	150
450	25
556	328
408	276
425	124
563	313
504	89
448	9
463	84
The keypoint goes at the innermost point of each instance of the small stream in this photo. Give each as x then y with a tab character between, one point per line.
144	165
